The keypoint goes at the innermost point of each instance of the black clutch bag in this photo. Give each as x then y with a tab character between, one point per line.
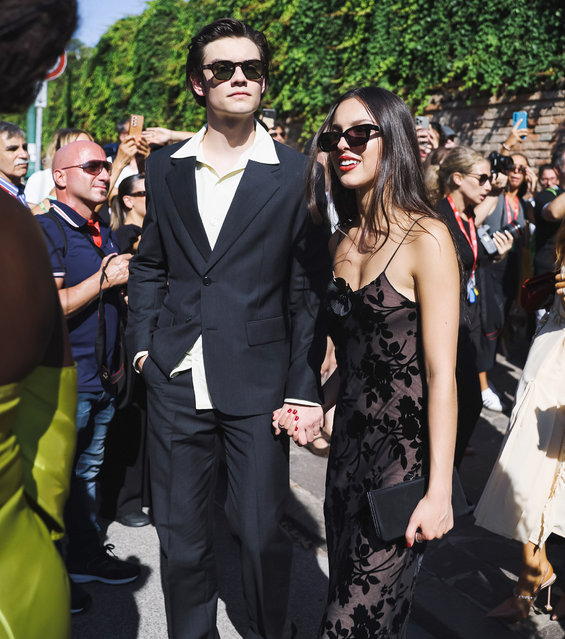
392	507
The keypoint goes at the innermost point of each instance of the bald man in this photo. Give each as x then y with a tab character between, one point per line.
80	248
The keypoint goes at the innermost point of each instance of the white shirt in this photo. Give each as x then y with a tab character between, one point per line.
214	195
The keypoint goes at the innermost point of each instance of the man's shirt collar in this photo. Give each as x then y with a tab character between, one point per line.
262	151
68	214
13	190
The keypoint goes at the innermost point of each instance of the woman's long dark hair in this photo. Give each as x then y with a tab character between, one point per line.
398	183
118	210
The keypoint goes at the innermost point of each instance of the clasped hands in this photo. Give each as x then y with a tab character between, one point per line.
302	423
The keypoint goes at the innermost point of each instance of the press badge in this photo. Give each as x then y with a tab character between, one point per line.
472	291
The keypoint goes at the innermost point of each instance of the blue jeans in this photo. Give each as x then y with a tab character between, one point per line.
94	414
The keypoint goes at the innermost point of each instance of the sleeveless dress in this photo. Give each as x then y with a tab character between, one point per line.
37	441
379	439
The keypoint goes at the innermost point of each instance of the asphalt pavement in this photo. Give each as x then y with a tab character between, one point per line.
463	575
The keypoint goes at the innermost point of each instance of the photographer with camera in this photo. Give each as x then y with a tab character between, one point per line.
498	281
463	177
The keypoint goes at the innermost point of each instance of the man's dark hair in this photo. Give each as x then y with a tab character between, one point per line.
11	130
222	28
32	36
280	124
558	158
542	168
122	125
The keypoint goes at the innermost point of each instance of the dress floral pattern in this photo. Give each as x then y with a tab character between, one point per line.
378	440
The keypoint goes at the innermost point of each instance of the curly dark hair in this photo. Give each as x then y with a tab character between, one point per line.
33	34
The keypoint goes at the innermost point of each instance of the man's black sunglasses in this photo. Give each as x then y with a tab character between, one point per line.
224	69
354	136
93	167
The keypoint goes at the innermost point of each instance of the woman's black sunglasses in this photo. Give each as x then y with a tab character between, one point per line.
224	69
354	136
482	178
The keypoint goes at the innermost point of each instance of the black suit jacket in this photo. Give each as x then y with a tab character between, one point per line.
255	298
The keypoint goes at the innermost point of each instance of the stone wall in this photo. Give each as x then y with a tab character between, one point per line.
485	124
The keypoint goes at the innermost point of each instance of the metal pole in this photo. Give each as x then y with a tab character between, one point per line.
30	138
40	104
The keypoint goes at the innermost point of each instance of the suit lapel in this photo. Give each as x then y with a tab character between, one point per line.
182	185
258	184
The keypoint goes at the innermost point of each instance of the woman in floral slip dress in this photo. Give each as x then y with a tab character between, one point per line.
393	315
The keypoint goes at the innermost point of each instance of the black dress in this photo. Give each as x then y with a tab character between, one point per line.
379	439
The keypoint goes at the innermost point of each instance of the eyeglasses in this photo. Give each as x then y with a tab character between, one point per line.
354	136
92	167
483	178
137	194
518	168
224	69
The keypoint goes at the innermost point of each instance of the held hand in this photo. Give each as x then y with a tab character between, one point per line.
532	180
499	181
560	283
126	151
302	423
117	271
431	519
157	135
516	135
503	242
143	147
425	141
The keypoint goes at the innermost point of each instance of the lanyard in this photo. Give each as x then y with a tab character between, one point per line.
473	239
509	216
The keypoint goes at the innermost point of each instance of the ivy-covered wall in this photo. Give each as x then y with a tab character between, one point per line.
320	48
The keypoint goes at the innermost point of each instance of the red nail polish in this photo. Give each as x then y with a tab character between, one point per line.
296	418
289	410
409	545
296	428
294	411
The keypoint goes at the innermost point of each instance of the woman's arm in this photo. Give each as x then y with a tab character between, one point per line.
436	276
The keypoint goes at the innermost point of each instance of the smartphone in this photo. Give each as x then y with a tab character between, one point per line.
269	116
423	121
520	115
136	125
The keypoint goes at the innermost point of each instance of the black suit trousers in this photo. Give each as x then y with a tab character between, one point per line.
184	444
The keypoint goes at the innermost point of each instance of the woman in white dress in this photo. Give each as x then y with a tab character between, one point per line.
524	498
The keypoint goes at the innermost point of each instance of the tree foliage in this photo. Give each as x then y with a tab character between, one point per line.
320	49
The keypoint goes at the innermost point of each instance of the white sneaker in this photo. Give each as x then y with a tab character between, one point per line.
492	401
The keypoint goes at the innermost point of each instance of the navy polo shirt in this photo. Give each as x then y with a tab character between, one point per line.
77	263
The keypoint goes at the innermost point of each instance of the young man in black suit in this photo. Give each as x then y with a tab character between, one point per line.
224	296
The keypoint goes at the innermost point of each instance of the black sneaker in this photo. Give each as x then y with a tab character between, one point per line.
80	599
104	567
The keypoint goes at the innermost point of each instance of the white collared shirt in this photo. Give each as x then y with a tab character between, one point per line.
214	195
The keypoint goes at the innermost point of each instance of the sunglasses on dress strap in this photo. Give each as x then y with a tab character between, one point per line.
354	136
224	69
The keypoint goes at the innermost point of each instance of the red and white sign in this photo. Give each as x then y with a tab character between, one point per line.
57	69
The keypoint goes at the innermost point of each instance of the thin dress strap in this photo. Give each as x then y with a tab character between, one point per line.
402	242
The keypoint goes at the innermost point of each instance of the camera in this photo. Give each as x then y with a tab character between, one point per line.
500	163
485	236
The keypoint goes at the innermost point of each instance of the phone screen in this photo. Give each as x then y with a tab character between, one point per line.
520	115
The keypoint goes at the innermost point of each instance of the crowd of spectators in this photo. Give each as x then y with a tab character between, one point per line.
504	218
